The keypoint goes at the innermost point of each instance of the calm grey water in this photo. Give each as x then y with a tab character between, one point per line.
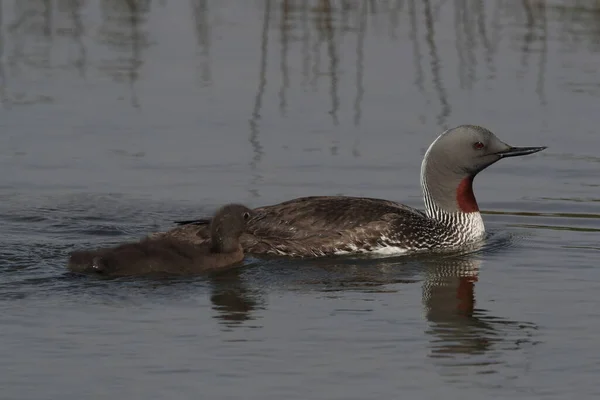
119	117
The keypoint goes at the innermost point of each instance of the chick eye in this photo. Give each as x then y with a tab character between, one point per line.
478	145
246	216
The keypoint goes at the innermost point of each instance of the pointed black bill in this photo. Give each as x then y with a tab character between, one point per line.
519	151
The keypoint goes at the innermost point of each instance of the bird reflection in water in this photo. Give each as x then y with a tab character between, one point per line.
459	332
233	300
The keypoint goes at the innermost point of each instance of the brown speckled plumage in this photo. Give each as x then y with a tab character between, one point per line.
316	226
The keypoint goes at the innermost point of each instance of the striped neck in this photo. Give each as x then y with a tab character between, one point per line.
449	199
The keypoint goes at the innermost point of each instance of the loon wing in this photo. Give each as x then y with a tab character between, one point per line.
320	214
317	225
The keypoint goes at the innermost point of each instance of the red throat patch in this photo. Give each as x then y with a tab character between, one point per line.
465	197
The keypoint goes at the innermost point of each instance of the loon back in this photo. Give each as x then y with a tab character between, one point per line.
327	225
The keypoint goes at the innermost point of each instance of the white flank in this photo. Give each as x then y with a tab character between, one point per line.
389	250
381	249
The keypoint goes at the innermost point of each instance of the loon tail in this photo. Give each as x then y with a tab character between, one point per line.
204	221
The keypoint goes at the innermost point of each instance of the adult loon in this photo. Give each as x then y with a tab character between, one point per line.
327	225
169	256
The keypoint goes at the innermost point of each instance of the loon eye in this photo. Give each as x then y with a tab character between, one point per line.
478	145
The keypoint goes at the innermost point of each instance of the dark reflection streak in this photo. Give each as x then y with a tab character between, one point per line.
316	49
470	44
459	42
305	45
284	31
373	6
360	56
78	32
414	37
253	122
16	39
2	68
435	66
360	90
47	31
48	19
333	64
395	18
481	24
201	25
541	79
496	28
16	32
529	35
345	14
135	50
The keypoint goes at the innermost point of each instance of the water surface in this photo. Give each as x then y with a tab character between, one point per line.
119	117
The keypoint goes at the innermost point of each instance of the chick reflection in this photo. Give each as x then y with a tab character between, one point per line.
233	301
